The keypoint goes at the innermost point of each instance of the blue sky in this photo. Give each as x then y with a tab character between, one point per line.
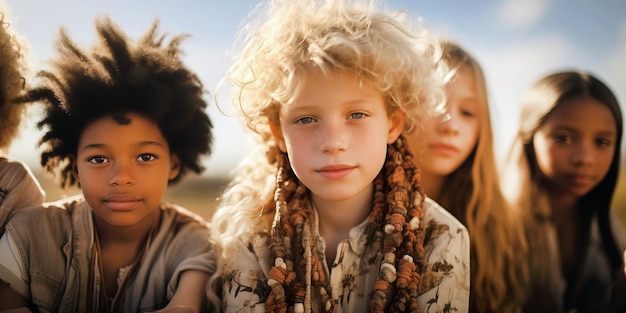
516	42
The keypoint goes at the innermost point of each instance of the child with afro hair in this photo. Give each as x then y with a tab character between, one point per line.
123	121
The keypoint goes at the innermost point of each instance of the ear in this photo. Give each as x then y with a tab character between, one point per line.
397	119
278	137
74	168
174	166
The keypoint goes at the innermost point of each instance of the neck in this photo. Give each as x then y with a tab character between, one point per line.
338	217
432	184
563	206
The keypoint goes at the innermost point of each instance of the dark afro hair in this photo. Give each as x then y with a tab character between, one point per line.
115	78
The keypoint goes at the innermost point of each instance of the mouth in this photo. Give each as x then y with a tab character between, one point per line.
443	148
582	180
336	171
121	202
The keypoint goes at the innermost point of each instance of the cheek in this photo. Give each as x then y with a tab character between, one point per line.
546	157
470	131
474	131
606	160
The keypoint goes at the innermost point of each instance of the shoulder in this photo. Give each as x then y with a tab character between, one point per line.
50	213
13	170
180	216
181	229
17	176
46	225
434	213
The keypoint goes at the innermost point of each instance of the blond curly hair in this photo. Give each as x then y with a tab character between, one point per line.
13	68
383	48
284	38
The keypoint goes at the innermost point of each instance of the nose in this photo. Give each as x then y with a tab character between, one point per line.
583	154
448	123
334	137
122	175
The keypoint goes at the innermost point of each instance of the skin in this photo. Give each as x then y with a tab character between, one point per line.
124	171
335	135
575	146
449	138
574	149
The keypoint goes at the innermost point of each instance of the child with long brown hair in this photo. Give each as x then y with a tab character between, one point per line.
327	214
457	162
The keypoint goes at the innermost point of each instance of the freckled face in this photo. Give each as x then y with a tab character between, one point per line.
124	169
575	145
336	134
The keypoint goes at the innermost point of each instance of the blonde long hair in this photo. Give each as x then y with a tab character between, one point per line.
284	38
472	194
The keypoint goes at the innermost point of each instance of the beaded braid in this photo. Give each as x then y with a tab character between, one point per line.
394	228
396	220
293	213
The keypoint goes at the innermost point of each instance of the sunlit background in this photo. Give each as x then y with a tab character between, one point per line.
516	41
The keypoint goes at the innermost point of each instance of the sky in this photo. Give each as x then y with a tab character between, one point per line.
516	42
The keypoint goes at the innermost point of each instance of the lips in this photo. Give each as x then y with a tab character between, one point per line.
121	202
582	179
336	171
443	148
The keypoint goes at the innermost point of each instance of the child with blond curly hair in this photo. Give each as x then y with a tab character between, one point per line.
327	214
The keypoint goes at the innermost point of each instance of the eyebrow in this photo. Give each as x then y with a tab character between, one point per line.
572	129
139	144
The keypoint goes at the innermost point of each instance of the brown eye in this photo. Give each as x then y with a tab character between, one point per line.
562	139
97	160
603	142
146	157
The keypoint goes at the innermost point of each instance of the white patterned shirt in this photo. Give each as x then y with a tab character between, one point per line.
444	285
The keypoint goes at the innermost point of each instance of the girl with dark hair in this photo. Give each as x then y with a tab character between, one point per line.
561	174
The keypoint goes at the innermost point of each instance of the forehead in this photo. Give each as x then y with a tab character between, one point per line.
134	127
339	85
582	113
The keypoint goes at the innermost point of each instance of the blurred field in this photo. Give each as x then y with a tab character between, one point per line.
199	194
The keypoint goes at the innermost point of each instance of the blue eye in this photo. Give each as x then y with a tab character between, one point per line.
305	120
357	115
146	157
98	160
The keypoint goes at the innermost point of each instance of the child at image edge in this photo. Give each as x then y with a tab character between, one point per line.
18	187
561	173
123	121
328	214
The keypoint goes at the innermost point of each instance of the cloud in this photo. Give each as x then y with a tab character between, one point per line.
521	14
